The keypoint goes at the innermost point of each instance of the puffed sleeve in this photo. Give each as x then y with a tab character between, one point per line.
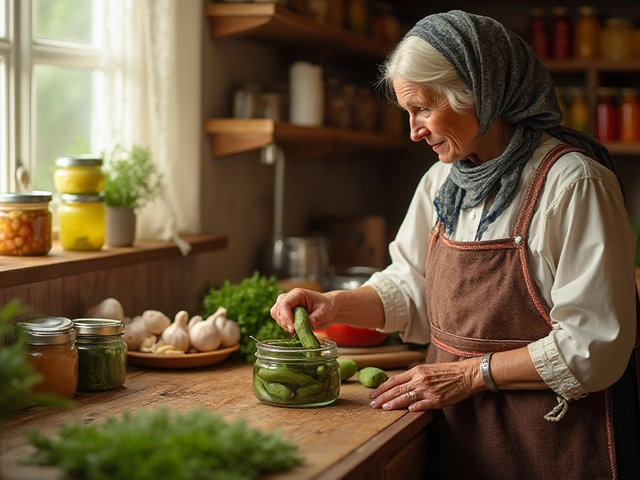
588	247
401	285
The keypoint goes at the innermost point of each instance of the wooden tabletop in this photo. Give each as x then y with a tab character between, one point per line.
334	440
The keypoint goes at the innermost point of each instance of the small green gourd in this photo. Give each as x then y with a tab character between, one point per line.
372	377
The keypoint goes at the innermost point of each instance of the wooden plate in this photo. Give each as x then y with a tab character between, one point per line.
188	360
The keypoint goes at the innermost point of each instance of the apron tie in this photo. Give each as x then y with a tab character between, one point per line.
558	411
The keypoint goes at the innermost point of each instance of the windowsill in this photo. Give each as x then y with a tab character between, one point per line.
58	263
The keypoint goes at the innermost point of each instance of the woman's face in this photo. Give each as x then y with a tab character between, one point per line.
452	135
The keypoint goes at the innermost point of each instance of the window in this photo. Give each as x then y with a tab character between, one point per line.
49	76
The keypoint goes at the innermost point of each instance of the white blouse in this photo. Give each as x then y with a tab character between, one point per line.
582	258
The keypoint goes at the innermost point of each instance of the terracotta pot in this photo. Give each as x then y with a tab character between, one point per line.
120	227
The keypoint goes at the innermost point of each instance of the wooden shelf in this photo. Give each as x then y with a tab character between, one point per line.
59	263
233	135
275	24
623	148
597	65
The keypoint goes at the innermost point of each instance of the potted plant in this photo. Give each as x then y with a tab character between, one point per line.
131	180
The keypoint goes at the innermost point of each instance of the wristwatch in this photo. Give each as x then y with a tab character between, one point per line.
486	372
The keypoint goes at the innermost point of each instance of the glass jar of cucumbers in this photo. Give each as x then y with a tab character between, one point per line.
286	374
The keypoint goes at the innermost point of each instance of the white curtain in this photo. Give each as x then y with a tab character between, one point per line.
152	84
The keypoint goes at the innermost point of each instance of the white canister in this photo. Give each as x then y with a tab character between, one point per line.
306	93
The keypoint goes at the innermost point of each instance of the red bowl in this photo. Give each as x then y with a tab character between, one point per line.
348	336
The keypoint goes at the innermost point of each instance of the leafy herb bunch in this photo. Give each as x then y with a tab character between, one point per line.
248	303
131	179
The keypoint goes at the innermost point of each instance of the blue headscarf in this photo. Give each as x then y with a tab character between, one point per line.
507	80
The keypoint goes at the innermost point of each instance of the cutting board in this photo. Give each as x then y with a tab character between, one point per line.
384	357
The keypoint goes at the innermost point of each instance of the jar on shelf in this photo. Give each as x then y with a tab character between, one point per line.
538	32
629	115
79	174
82	222
102	354
246	101
617	39
358	16
587	34
367	109
607	119
578	109
561	33
51	350
25	223
296	376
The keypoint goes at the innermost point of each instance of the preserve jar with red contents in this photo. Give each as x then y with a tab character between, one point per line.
561	33
25	223
538	32
630	115
607	115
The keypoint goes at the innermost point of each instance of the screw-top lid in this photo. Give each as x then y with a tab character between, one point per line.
97	327
26	197
71	198
79	161
44	330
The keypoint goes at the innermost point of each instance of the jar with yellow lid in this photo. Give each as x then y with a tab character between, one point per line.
82	222
25	223
617	39
52	353
79	174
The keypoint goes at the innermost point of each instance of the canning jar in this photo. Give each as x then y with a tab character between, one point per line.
538	32
561	33
296	376
578	110
80	174
607	115
25	223
587	34
629	115
102	354
82	222
617	39
52	352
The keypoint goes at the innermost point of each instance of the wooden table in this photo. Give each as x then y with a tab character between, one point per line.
346	439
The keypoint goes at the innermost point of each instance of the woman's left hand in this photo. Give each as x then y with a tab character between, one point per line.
429	386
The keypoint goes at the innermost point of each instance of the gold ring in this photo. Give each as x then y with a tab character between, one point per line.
412	396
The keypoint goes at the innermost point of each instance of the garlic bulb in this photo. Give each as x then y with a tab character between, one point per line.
108	308
195	319
177	334
229	330
134	334
155	321
204	335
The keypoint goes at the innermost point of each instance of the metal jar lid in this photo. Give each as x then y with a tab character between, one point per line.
70	198
91	327
26	197
79	161
43	330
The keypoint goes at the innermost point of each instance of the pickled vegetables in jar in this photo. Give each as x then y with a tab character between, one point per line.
82	222
79	174
25	223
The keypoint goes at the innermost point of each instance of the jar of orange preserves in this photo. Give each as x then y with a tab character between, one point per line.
586	34
629	115
25	223
617	39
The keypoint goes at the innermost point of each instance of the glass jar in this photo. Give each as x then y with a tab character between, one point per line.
561	33
358	17
102	354
52	353
617	39
81	175
630	115
538	32
25	223
295	376
82	222
587	34
367	109
578	110
607	115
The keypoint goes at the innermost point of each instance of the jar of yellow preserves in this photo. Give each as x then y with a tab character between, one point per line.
617	39
82	222
80	175
25	223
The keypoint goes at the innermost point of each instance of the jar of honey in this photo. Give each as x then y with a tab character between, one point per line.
578	110
79	174
82	222
617	39
25	223
586	34
52	353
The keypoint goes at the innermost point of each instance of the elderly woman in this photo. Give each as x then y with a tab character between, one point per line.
515	262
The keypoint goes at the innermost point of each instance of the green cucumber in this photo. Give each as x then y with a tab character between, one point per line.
282	374
372	377
348	368
279	390
303	329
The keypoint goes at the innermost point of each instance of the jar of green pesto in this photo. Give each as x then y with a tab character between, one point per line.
102	354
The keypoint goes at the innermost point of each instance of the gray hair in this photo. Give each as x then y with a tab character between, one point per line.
417	61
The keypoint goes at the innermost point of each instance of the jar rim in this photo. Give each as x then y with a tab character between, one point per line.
46	330
34	196
265	349
73	198
84	160
97	326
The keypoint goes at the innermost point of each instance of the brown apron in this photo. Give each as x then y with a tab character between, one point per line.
481	298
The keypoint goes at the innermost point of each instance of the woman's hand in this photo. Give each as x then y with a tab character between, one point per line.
433	386
321	308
